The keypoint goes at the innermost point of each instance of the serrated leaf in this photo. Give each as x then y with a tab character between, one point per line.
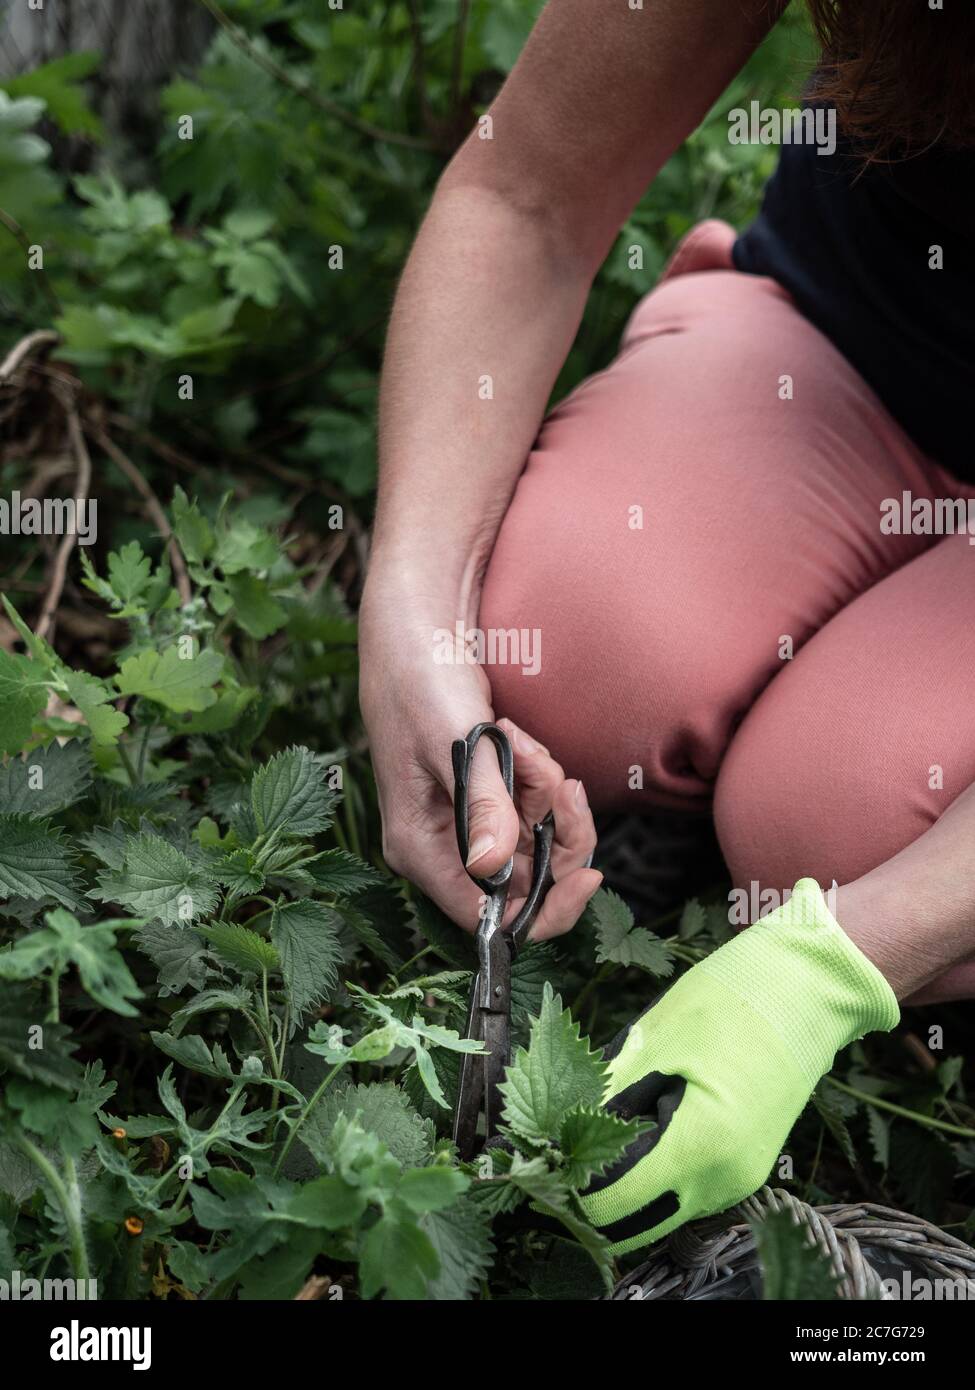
179	956
336	871
619	941
793	1267
693	920
178	683
380	1109
878	1127
590	1139
158	880
289	794
209	1001
23	696
191	528
306	936
46	780
461	1237
832	1108
240	947
35	861
557	1072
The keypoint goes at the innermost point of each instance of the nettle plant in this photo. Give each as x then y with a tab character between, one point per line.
225	1069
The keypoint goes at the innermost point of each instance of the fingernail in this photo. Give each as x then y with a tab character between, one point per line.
580	798
482	845
523	742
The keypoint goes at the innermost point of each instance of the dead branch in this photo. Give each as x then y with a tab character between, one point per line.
41	337
82	488
154	508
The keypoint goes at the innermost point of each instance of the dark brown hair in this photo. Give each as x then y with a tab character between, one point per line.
900	74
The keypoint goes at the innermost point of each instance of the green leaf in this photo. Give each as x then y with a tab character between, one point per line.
306	936
58	85
618	940
191	528
556	1073
461	1237
834	1108
179	956
397	1257
93	698
432	1188
256	611
240	947
878	1127
35	862
336	871
178	683
158	880
32	1049
46	780
91	949
193	1052
289	794
590	1139
23	696
793	1267
379	1108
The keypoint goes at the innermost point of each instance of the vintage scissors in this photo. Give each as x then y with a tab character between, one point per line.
489	1012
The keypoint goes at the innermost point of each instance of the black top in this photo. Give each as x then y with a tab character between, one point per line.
852	245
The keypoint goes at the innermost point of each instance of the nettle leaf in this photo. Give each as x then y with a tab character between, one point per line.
306	936
179	956
591	1139
461	1237
380	1109
33	1049
556	1073
177	682
239	871
35	861
46	780
834	1109
240	947
336	871
793	1266
620	941
288	794
23	696
210	1001
91	949
158	880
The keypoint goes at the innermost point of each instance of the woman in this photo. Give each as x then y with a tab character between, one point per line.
702	545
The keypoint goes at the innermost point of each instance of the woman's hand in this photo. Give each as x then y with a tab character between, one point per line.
413	709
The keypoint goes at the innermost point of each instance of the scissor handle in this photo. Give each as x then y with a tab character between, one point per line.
462	752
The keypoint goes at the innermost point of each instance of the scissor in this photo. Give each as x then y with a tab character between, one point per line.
489	1012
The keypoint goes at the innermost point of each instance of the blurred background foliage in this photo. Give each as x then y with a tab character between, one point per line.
261	254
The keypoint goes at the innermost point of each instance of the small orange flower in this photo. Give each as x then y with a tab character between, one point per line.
118	1133
133	1225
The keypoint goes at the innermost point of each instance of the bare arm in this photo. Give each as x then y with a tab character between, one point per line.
495	287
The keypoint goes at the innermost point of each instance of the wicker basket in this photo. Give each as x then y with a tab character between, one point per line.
866	1243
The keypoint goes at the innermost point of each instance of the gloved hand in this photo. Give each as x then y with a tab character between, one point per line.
724	1063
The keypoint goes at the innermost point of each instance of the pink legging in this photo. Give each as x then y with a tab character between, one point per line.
664	671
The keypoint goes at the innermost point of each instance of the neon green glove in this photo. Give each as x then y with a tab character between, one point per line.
725	1062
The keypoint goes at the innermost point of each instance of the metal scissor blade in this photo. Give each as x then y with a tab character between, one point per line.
469	1097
